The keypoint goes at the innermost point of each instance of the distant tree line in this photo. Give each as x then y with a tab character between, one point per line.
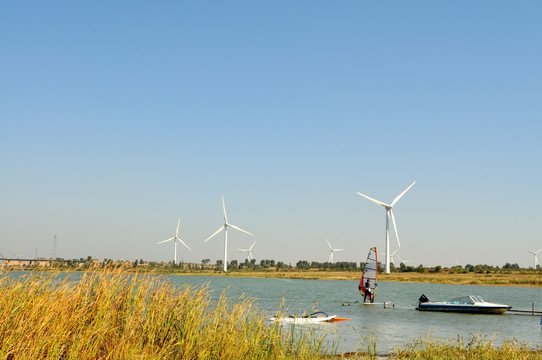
267	265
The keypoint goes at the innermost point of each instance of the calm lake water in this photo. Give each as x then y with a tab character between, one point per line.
390	328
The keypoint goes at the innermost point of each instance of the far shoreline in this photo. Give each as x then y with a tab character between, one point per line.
516	279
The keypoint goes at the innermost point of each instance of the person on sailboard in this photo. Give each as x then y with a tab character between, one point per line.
368	291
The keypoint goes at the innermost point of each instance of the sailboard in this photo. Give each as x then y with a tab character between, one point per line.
370	273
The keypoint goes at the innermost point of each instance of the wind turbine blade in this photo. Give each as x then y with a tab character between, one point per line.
219	230
177	231
250	248
224	209
401	194
395	228
243	250
238	228
328	244
537	251
163	241
338	249
531	252
182	242
373	200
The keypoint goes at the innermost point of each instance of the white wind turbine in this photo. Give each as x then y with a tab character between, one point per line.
332	251
535	253
389	213
248	251
225	228
175	239
401	261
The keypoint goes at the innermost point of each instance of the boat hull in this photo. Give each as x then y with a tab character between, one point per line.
306	320
466	308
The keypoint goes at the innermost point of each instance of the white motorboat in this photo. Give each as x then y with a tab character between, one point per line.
471	304
316	317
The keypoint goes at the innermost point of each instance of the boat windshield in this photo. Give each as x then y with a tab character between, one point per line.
466	300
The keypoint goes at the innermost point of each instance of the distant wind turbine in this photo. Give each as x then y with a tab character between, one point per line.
248	251
175	239
225	228
332	251
535	253
392	258
389	213
401	261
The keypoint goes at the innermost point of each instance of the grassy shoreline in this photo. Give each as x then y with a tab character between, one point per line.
117	315
519	278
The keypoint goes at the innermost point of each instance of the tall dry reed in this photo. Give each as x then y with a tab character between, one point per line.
113	315
477	347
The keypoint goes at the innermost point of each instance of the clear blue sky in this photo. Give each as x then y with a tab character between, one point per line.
117	118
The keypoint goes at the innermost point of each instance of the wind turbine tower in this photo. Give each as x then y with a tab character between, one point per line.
389	213
53	255
535	253
175	239
225	228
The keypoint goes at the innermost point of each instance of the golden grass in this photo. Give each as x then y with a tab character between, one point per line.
512	278
476	348
111	315
529	279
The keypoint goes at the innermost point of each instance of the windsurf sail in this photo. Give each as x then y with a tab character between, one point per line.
370	273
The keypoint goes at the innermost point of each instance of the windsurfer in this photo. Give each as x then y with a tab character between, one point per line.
368	291
367	284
